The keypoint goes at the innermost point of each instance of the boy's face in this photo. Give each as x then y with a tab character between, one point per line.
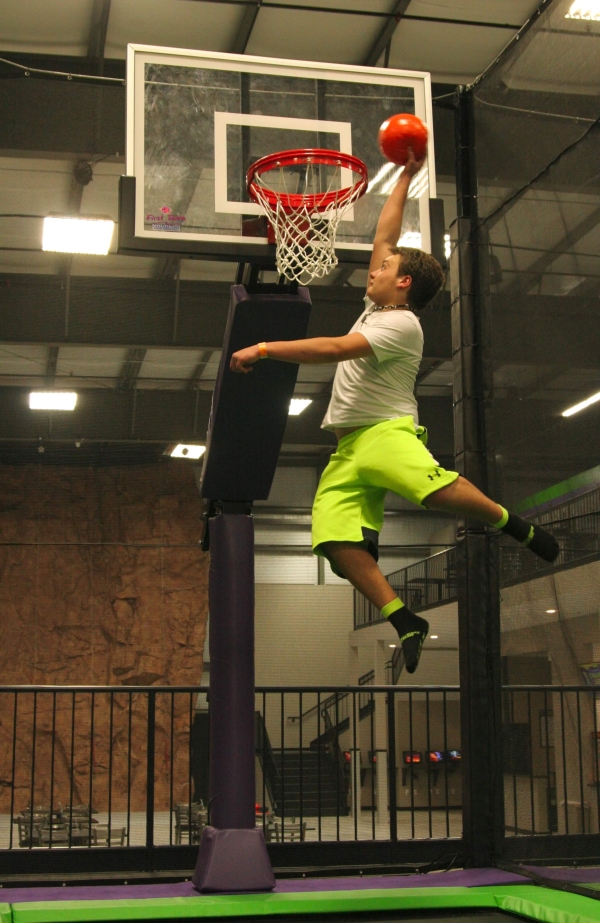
385	285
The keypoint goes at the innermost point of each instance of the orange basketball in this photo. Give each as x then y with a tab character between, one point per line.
400	132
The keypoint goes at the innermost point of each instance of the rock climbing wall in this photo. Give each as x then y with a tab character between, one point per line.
102	582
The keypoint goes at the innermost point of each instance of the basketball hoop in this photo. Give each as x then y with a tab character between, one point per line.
303	222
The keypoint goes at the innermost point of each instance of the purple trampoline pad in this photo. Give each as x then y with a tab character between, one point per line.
471	878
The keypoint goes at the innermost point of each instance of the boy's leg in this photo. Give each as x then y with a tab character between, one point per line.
463	497
360	568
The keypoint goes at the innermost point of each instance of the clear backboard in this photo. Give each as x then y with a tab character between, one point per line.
196	120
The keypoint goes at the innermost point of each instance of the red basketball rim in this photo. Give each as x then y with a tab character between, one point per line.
317	201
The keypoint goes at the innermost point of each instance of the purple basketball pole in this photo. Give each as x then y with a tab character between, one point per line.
231	598
248	419
233	854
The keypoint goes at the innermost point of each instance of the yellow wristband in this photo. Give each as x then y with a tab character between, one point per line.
262	351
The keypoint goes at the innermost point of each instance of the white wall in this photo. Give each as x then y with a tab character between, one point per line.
302	634
439	661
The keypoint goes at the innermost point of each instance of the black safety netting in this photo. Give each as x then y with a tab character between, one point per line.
537	130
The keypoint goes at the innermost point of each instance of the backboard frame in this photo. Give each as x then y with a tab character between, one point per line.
134	237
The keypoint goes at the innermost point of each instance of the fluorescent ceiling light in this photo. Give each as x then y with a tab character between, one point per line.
418	184
584	9
435	637
410	239
380	175
52	400
298	404
447	246
391	182
550	611
392	645
77	235
582	405
188	451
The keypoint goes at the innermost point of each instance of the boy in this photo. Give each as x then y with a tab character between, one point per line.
373	413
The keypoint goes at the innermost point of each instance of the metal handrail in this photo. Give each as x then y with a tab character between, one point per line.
432	581
363	680
264	751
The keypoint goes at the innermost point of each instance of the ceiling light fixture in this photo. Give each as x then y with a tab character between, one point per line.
582	405
191	452
550	611
380	175
410	239
391	181
52	400
435	637
584	9
419	184
298	404
392	645
63	234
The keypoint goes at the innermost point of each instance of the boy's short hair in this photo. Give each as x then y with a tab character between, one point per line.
426	273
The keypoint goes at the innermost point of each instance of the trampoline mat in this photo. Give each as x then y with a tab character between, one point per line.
487	904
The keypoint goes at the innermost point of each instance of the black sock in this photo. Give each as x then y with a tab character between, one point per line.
533	536
412	631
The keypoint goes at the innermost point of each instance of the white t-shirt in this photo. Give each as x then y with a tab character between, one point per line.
379	387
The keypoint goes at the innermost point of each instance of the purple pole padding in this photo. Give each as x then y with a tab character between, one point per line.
233	854
232	787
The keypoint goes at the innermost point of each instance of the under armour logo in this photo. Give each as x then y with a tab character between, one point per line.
436	474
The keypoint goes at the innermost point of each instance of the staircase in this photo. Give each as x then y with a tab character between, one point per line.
314	781
309	784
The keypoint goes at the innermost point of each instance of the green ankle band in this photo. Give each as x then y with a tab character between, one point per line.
392	606
502	522
530	535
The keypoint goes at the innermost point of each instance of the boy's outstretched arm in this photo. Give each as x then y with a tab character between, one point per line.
390	219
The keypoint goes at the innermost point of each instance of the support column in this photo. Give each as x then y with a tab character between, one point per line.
478	595
232	840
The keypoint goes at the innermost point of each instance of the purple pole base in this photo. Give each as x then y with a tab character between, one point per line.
233	860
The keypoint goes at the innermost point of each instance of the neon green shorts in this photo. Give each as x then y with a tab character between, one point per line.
349	501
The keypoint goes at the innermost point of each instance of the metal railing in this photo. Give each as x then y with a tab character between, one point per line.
427	583
433	581
551	760
90	769
395	666
110	770
579	540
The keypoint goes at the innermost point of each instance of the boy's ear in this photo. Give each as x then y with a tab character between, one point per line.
403	282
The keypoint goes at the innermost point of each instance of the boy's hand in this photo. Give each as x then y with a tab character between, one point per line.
244	359
412	166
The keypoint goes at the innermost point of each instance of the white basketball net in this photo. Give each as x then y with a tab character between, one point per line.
304	234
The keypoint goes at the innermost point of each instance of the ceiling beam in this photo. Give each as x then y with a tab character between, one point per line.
385	36
527	278
196	376
139	312
539	383
131	369
51	362
106	414
427	369
97	34
167	267
246	26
